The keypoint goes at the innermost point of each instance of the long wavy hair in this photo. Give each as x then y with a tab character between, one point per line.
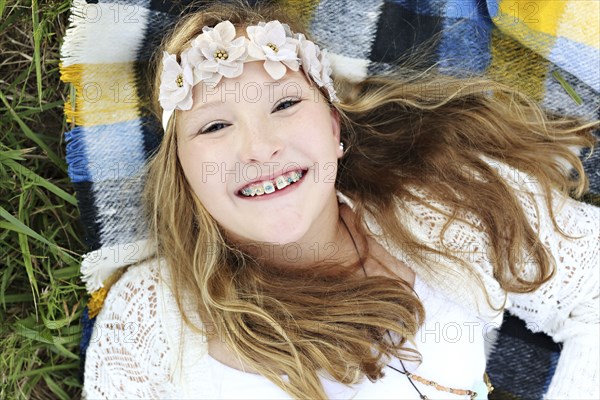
406	133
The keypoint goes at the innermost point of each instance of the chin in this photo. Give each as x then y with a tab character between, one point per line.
283	236
280	233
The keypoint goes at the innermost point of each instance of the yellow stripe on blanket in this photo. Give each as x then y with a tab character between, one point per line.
517	66
104	93
533	23
541	16
538	24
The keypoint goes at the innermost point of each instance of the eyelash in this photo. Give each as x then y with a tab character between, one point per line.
278	107
291	101
210	129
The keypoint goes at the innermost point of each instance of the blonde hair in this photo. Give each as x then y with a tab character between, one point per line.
402	131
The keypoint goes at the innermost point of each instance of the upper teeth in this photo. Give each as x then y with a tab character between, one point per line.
260	188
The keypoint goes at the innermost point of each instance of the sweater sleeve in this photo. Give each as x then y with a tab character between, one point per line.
566	307
128	353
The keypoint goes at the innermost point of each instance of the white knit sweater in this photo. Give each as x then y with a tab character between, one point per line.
141	349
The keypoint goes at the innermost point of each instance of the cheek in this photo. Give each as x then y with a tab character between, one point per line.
200	169
315	129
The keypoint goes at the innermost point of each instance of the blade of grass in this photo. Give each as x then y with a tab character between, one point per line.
10	19
57	323
18	80
16	155
30	329
14	224
37	38
55	388
39	181
24	244
29	385
17	298
43	370
10	227
67	273
568	88
59	349
40	334
44	107
33	136
4	298
19	227
71	381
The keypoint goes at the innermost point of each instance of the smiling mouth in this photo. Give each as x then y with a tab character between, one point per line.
271	186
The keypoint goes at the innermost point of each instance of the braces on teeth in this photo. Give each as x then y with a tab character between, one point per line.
269	186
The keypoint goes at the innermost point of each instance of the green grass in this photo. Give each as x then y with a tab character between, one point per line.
40	291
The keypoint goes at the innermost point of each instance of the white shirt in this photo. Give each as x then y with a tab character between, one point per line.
450	333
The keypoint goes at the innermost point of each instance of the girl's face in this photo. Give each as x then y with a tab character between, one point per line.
253	134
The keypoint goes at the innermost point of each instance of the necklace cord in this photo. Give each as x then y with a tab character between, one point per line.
405	373
408	375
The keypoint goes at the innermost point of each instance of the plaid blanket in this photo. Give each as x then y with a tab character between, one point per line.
549	49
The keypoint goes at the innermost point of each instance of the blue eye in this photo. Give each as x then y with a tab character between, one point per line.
214	127
287	103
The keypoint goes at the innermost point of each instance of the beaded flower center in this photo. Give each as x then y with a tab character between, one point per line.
272	47
221	55
179	80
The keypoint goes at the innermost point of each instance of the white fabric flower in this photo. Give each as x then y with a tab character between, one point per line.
309	57
223	55
316	65
269	42
326	76
175	86
176	83
195	58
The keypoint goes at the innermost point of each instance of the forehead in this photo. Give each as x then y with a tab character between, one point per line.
255	85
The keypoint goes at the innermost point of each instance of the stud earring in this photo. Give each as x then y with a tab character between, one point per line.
342	146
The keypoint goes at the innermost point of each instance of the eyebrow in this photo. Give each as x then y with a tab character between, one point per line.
208	105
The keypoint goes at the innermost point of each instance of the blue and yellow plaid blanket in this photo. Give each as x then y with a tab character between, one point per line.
549	49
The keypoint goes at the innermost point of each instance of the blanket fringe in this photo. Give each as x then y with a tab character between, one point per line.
75	34
72	74
97	266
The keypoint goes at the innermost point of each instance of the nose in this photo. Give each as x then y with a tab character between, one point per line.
259	142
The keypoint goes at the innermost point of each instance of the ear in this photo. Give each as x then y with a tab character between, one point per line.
335	128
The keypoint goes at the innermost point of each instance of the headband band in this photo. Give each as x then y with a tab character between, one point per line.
216	52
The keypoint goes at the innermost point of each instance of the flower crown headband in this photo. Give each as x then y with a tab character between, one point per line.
216	52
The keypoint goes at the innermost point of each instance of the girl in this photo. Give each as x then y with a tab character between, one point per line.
356	240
